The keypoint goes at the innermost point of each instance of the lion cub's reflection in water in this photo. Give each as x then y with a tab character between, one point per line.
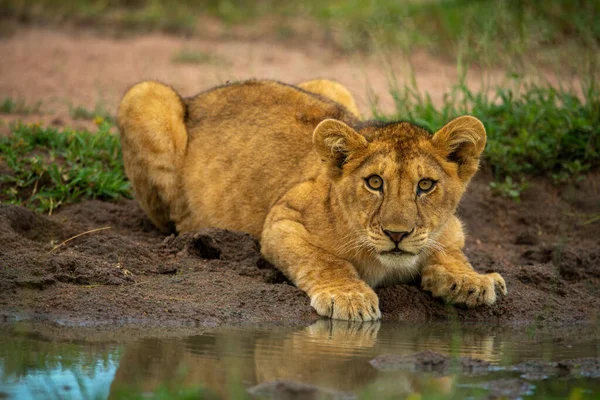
335	354
329	353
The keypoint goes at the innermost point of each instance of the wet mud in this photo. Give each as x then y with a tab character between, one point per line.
130	273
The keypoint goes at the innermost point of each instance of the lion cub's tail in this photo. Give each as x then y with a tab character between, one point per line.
153	136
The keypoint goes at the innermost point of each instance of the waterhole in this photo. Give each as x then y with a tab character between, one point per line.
327	359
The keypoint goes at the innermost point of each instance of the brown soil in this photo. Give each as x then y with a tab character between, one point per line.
131	274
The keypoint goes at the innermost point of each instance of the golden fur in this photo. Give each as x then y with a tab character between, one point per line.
291	166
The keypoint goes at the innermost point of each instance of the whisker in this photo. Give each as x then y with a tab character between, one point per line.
354	245
434	246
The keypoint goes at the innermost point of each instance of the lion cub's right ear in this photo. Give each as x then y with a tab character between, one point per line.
461	141
335	141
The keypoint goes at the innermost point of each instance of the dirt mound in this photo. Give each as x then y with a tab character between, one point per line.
67	268
131	273
17	223
236	251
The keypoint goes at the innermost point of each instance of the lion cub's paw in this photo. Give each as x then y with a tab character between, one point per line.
470	288
353	301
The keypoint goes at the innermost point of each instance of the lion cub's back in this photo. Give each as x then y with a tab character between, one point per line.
249	142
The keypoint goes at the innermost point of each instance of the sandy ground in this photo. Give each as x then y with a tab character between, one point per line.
62	69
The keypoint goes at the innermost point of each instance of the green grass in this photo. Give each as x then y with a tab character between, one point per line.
98	114
190	56
126	15
481	31
46	168
554	32
509	188
12	106
532	130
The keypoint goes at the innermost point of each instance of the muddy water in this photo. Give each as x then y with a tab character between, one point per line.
342	360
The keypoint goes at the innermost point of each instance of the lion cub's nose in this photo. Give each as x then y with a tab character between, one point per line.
397	236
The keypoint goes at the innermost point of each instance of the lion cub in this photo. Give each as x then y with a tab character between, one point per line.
340	205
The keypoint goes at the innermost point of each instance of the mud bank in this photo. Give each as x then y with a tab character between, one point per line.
130	273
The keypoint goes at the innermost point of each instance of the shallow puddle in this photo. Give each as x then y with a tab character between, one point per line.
344	360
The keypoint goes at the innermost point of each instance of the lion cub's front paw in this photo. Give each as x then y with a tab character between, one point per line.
353	300
470	288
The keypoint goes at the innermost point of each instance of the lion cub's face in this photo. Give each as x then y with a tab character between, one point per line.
397	184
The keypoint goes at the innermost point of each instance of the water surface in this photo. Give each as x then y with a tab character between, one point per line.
57	363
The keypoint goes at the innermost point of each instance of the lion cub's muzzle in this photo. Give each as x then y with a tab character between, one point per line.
396	238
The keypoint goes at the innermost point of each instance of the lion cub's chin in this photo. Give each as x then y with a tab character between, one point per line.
399	261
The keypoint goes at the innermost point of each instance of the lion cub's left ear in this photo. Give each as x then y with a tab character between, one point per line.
461	141
335	141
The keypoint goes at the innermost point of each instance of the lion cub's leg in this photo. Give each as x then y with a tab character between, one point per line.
332	90
449	275
333	284
153	137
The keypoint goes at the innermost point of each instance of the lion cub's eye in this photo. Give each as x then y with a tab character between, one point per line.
375	182
425	185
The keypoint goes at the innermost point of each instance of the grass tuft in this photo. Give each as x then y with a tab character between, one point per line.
509	189
190	56
532	130
11	106
44	168
98	114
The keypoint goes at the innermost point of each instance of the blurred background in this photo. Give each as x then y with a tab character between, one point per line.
88	51
520	66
